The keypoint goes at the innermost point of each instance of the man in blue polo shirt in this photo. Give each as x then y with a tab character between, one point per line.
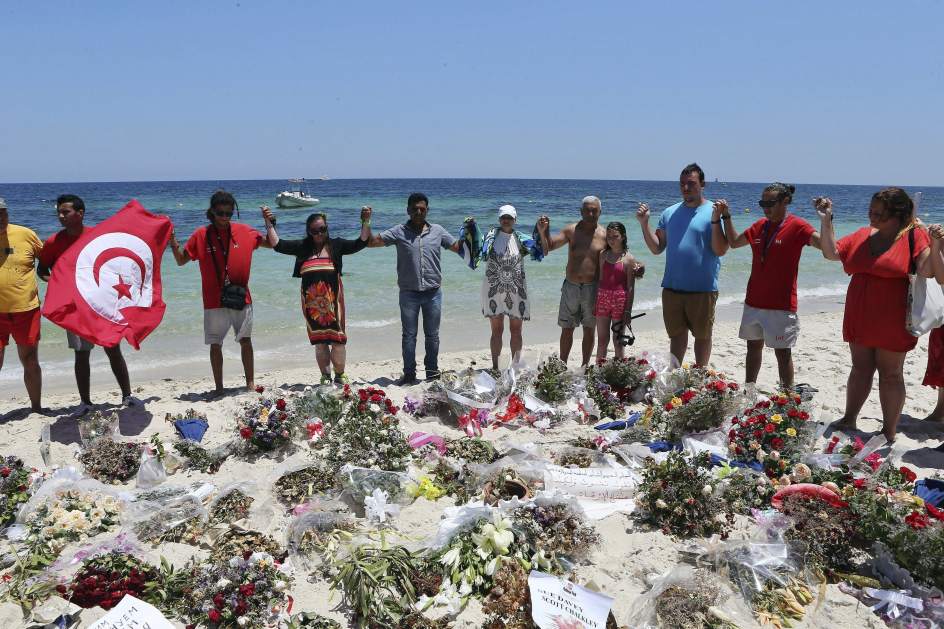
691	235
419	276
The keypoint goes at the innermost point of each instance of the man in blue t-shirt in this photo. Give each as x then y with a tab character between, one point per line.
691	233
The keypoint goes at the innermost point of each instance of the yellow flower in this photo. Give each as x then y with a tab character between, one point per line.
776	419
685	365
791	432
676	401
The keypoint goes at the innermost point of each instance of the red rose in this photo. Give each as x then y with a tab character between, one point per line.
245	432
668	406
769	428
804	415
362	407
733	386
731	434
758	434
858	483
917	520
362	394
376	397
260	388
776	443
687	396
214	616
241	608
934	511
908	474
247	589
4	471
219	601
280	404
739	450
793	413
247	554
735	421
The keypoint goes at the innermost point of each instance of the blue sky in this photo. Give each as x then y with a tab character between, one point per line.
831	92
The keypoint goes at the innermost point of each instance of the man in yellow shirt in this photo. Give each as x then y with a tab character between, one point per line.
19	300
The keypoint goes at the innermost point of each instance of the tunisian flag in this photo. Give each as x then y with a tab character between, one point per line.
107	285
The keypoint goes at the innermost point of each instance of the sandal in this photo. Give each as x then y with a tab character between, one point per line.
325	378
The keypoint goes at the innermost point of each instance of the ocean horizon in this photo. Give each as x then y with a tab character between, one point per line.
176	347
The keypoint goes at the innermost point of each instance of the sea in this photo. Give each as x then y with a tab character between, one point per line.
176	350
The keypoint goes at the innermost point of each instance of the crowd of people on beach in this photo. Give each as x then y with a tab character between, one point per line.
596	294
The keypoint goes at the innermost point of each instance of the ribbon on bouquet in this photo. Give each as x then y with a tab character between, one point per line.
892	603
471	423
419	439
465	401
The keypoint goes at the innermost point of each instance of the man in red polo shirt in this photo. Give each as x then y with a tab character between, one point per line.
224	249
770	307
71	212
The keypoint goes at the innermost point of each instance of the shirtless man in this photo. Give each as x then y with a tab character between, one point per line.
585	240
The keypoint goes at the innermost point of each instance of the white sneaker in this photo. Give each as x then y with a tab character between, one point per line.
130	400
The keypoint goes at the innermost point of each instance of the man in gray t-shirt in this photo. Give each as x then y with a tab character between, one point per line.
419	276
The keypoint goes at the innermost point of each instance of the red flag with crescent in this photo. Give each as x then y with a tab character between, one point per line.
107	285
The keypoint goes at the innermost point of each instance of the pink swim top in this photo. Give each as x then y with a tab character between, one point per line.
613	277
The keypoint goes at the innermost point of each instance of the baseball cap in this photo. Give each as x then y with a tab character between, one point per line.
508	210
3	204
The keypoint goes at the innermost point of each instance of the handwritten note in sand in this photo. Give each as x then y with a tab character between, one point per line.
132	613
594	483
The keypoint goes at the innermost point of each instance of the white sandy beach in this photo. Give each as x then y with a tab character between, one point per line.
628	553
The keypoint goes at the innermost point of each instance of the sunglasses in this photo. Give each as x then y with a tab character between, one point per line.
318	230
766	204
222	213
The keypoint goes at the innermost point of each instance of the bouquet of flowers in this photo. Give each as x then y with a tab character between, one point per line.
15	482
668	383
552	530
680	497
775	432
111	461
695	409
297	486
104	580
367	433
472	450
553	382
321	405
241	543
200	458
611	384
246	590
267	425
70	516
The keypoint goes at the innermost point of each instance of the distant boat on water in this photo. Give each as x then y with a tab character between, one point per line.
295	196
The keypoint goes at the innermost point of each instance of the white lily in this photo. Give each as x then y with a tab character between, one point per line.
451	558
541	561
496	536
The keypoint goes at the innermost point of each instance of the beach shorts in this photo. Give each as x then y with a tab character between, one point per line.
610	303
684	311
576	305
218	321
24	326
934	375
77	343
779	329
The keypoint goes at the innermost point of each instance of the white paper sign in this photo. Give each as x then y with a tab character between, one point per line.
559	604
593	483
132	613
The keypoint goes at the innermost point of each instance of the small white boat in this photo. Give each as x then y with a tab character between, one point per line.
295	196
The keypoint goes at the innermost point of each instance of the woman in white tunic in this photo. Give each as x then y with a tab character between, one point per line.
504	288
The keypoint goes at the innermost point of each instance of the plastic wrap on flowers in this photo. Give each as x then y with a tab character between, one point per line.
361	482
320	403
507	478
151	472
776	433
574	457
241	501
315	538
182	521
690	597
97	425
165	494
461	392
552	382
295	482
617	382
694	409
455	520
69	479
267	425
771	577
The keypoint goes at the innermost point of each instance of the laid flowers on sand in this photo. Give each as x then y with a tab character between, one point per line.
105	579
695	409
553	530
367	433
680	496
15	482
267	424
296	486
112	461
553	382
69	515
775	433
97	424
248	589
472	450
612	383
237	542
200	458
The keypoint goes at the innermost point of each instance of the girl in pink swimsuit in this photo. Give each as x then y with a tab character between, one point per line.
615	290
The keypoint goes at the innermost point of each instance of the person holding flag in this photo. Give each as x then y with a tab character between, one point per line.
224	250
19	301
71	212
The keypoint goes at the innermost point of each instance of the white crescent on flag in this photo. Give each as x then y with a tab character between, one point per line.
115	271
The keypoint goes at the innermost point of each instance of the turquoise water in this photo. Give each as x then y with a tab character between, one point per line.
176	347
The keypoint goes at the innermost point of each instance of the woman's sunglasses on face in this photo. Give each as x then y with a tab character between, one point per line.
314	231
766	204
222	213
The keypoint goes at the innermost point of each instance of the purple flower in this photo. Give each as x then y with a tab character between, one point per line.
411	405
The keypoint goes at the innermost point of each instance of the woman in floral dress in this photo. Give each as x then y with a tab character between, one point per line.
504	289
318	263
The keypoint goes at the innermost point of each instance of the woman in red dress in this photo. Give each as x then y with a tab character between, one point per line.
934	375
879	258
